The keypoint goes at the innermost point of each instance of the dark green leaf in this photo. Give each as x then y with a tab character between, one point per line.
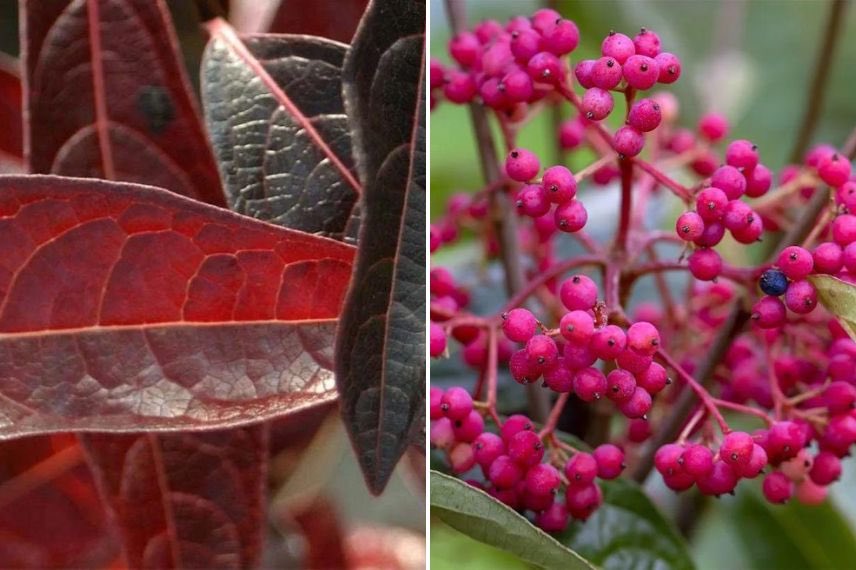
477	514
380	353
628	533
273	105
794	536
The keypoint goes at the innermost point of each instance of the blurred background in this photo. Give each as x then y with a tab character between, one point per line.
751	61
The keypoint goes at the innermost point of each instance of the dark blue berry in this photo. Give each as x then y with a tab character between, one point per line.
773	282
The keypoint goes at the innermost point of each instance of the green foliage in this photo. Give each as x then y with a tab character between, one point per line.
839	298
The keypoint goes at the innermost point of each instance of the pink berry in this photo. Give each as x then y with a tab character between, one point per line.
620	385
669	67
542	350
617	46
711	203
562	38
522	165
524	45
487	447
769	312
719	481
438	340
544	67
542	479
514	425
437	73
581	469
456	403
559	377
633	362
641	72
578	356
697	460
608	342
519	325
553	519
597	104
736	448
523	369
705	264
589	384
756	464
758	181
738	216
729	180
844	229
834	170
559	183
583	72
570	216
577	327
849	258
689	226
828	258
777	487
487	30
461	458
653	379
469	428
581	502
436	396
826	468
713	127
637	405
465	49
742	154
525	448
459	87
532	201
578	293
628	141
518	86
643	338
801	297
644	115
571	134
605	73
442	433
647	43
667	459
795	262
610	461
504	473
809	493
544	19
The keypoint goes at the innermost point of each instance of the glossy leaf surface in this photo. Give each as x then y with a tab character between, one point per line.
273	105
128	308
107	97
380	352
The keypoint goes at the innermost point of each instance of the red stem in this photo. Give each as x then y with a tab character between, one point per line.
555	414
626	204
702	394
678	189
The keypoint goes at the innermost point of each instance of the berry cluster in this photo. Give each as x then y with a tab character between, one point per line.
569	327
513	464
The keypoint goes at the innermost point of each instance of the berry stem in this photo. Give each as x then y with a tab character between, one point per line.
678	189
491	377
748	410
595	166
530	287
626	166
555	413
700	391
775	389
697	416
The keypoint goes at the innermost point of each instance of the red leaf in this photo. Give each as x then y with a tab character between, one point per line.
107	97
192	500
47	474
11	114
334	19
128	308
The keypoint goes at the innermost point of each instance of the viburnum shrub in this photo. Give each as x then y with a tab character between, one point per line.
738	344
192	284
